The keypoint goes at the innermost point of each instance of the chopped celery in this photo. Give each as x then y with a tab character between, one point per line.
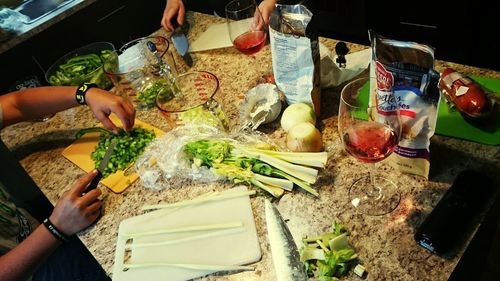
328	256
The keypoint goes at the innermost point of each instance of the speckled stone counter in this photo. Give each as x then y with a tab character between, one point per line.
384	244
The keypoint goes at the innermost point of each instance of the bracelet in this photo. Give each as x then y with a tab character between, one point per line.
56	232
82	90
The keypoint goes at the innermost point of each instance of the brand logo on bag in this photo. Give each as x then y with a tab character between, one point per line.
385	79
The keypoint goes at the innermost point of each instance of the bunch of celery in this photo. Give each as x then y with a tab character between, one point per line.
263	166
328	256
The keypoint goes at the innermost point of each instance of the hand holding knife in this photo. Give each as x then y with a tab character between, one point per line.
102	167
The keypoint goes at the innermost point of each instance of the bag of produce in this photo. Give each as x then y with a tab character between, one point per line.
295	55
407	70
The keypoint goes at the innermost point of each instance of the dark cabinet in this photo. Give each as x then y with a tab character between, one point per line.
461	33
115	21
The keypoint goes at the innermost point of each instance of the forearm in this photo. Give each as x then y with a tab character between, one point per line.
36	102
22	261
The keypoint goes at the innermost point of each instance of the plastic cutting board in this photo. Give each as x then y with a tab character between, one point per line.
79	153
238	248
451	123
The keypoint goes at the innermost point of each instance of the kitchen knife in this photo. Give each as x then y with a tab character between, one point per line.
181	44
286	257
102	166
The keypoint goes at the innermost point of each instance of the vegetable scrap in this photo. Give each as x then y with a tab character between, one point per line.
329	256
262	166
129	146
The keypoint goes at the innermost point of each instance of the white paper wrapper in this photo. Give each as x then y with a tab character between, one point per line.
332	75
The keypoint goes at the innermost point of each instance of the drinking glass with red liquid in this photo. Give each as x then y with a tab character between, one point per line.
247	29
369	133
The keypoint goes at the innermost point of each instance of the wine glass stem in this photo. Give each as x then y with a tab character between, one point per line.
374	191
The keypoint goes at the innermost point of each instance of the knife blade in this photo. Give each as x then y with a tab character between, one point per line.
102	166
181	44
286	257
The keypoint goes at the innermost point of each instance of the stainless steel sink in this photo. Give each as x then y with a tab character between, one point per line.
36	9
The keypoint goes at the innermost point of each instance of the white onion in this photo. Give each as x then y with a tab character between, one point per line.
304	137
297	113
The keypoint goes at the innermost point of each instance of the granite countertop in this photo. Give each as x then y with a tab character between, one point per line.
384	244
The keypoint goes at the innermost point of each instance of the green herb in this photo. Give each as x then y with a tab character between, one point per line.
328	256
129	146
264	168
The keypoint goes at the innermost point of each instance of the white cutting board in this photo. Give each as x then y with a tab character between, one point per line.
229	249
216	36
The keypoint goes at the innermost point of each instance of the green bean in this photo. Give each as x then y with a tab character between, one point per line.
129	146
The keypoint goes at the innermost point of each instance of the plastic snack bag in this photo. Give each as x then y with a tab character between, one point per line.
295	55
407	69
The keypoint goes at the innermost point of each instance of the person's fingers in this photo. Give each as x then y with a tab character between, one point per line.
90	197
106	122
93	208
167	24
82	183
180	16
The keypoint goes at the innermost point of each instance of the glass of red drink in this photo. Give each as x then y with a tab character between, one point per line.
247	29
369	133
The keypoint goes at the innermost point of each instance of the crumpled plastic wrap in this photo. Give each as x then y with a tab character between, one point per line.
163	163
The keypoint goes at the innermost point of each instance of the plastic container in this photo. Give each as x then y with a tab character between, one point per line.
92	73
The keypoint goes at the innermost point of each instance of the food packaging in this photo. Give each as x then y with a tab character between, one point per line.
406	69
295	55
464	94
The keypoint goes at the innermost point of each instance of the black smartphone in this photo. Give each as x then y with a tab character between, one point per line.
456	216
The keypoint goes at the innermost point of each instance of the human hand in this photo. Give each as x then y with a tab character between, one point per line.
172	9
103	103
266	8
74	211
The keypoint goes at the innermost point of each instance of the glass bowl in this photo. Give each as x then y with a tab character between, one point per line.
81	65
192	101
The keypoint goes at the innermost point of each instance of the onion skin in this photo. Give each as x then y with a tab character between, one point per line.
297	113
304	137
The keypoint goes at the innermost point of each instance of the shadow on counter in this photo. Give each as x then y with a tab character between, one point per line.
481	257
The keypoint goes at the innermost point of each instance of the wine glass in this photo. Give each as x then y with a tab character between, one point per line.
370	133
247	29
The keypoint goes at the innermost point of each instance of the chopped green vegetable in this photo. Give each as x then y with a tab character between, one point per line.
82	68
328	256
129	146
158	87
261	167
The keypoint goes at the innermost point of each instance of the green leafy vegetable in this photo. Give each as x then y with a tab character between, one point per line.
129	146
261	167
328	256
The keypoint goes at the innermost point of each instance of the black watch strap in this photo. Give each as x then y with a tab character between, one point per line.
82	90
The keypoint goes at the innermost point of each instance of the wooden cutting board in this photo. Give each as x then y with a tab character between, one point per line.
239	248
79	153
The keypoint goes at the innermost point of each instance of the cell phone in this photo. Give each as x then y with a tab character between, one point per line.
456	216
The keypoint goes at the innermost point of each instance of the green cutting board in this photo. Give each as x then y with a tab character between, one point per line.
451	123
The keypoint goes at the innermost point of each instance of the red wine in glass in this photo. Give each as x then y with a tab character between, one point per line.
370	142
250	42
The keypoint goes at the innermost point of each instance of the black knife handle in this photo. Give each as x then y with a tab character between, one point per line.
94	182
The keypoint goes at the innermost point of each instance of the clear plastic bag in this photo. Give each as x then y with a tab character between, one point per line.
163	162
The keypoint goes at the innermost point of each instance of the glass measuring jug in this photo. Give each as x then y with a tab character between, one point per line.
191	101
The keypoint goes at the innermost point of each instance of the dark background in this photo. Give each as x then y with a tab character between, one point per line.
460	33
